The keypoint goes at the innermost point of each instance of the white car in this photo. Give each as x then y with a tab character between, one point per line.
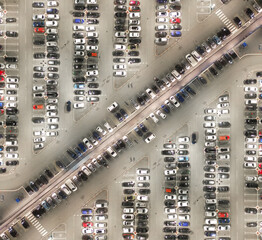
38	88
209	124
100	217
143	178
119	66
149	138
128	210
128	230
92	73
108	127
183	139
128	216
174	14
39	139
142	198
171	216
150	93
251	178
112	152
78	28
211	221
53	120
141	210
39	133
210	110
92	35
170	172
11	98
183	197
134	15
38	146
170	210
11	155
135	28
12	80
79	41
224	227
100	225
53	16
134	22
90	47
211	131
210	201
185	217
162	115
224	98
174	101
223	156
91	1
251	146
250	165
223	111
162	20
210	144
224	105
209	228
12	86
11	66
79	53
170	197
52	134
51	113
120	34
51	31
51	107
211	138
153	117
250	159
161	27
90	28
120	47
119	73
142	171
210	214
134	34
79	105
250	89
52	4
101	130
182	204
87	230
38	17
51	23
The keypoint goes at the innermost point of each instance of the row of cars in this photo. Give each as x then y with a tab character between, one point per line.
135	206
168	19
9	86
217	158
45	87
127	36
252	144
177	210
94	221
85	62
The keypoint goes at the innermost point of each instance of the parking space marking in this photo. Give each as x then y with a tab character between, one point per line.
226	21
36	224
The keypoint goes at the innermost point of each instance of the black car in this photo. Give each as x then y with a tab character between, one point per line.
170	237
11	123
43	179
190	90
168	152
224	124
249	13
160	34
120	28
120	8
129	191
49	173
92	7
218	65
39	55
169	223
118	53
210	195
11	111
133	53
62	194
78	14
210	207
251	224
82	175
127	204
33	186
180	69
251	210
251	121
250	133
209	189
12	232
134	60
251	185
120	15
92	41
53	55
183	165
38	119
223	189
39	41
24	223
183	237
11	34
176	6
92	15
79	7
200	50
128	184
38	5
52	37
213	71
12	163
10	59
135	40
2	170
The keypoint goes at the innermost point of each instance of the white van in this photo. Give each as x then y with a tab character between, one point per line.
191	60
71	185
176	74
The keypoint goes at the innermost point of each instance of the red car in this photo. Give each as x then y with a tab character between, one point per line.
223	215
175	20
260	165
259	172
36	107
39	30
2	72
2	79
87	224
224	138
170	190
134	3
134	9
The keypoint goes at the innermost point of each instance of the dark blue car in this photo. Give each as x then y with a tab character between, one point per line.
86	211
38	24
175	33
179	98
77	20
165	108
82	146
223	220
190	90
51	11
97	136
184	93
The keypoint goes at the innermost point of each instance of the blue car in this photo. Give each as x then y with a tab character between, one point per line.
165	108
1	105
39	24
182	159
82	146
184	93
190	90
183	224
77	20
77	151
223	220
1	148
86	211
180	98
96	136
175	33
162	1
51	11
79	86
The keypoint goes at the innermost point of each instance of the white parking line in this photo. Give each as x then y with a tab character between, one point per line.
226	21
36	224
